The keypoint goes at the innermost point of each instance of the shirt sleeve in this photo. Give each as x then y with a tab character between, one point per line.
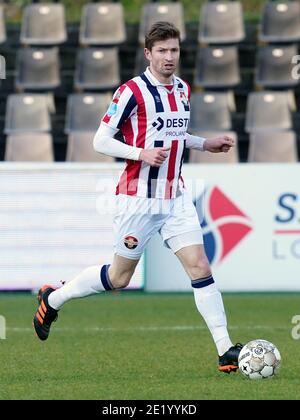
122	106
195	142
104	142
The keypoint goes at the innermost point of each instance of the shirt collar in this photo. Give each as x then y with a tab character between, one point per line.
156	82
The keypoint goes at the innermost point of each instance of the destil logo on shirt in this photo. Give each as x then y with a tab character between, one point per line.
174	127
170	123
224	225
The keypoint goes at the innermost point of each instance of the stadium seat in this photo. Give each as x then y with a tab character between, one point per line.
217	67
280	22
102	24
196	156
211	111
275	67
221	23
43	24
30	147
80	149
273	146
154	12
28	113
269	110
84	111
37	68
2	26
97	69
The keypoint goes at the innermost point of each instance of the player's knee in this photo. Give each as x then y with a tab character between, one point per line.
198	268
121	280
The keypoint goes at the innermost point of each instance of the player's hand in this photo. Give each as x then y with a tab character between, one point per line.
219	144
156	156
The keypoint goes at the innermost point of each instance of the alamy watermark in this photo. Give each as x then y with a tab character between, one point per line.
107	202
296	328
2	67
2	328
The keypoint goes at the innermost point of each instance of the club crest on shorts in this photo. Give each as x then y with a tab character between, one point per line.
130	242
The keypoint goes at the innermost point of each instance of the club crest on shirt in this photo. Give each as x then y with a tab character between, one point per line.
184	101
130	242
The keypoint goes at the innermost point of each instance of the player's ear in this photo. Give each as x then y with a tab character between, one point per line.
147	53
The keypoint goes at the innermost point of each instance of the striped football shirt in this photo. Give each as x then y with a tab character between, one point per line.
150	114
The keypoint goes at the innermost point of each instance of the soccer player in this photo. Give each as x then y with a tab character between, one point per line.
153	112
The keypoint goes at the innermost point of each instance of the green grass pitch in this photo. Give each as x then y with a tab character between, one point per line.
134	345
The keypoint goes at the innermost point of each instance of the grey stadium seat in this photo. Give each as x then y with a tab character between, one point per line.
196	156
97	69
29	147
2	25
28	113
269	110
43	24
217	67
275	67
85	111
280	22
154	12
37	68
102	24
211	111
221	23
273	146
80	149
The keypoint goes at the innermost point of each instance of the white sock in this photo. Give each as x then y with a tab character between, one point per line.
92	280
210	305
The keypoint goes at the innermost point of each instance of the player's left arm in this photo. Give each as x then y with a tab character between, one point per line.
213	145
218	144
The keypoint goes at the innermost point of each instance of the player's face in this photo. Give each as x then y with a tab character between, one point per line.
163	57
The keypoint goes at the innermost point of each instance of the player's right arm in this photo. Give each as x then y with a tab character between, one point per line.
104	142
121	108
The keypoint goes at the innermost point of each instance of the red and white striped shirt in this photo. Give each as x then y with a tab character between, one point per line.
150	114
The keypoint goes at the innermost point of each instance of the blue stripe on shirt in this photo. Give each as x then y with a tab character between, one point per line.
154	92
153	174
127	110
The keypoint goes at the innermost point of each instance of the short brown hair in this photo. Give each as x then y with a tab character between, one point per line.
161	31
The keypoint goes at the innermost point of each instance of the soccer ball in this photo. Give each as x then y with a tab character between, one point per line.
259	359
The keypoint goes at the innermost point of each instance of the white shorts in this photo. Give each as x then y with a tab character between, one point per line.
137	219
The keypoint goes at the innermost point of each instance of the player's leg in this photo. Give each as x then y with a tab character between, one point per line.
207	296
132	231
95	279
209	302
92	280
182	233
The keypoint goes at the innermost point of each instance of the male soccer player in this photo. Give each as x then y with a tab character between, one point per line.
153	112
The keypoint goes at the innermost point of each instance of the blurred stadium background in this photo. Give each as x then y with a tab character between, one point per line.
63	61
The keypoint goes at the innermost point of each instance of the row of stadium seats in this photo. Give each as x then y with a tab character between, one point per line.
266	110
265	146
268	120
99	68
103	23
68	68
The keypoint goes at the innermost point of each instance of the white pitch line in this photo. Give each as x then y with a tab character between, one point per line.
150	328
